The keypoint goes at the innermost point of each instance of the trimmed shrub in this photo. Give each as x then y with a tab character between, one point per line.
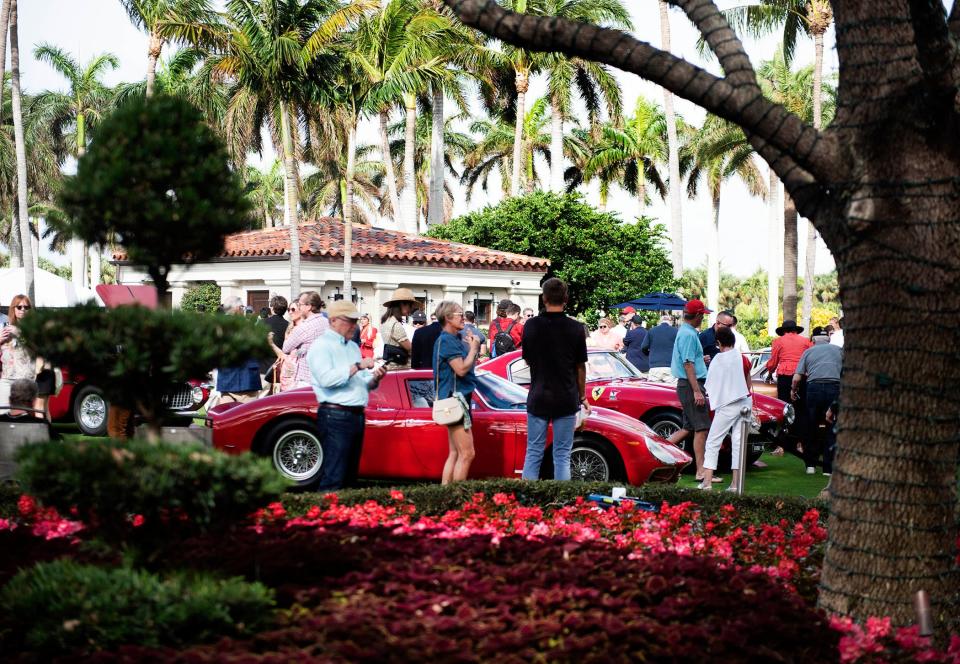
148	494
204	296
435	499
62	607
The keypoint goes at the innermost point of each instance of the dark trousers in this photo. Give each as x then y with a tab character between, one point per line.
783	387
341	437
820	396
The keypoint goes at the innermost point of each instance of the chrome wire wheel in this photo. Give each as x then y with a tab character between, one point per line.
93	411
588	465
665	428
297	454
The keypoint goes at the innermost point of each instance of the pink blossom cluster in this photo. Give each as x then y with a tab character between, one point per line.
878	641
43	522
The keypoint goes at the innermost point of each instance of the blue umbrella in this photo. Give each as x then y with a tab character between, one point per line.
655	302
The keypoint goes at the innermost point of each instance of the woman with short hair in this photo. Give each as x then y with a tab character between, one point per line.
453	363
603	337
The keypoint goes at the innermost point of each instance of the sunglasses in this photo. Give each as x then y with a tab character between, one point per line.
23	307
529	316
603	327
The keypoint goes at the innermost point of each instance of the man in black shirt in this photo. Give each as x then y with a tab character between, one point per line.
555	348
276	324
632	343
421	347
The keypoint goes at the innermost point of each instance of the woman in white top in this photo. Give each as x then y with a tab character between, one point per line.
729	391
604	338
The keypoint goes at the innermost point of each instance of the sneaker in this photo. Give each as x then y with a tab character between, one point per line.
705	487
811	470
826	474
731	489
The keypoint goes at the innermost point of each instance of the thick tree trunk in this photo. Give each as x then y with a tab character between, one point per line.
673	157
153	55
713	258
290	204
348	211
437	167
23	213
789	257
522	84
811	256
408	199
773	253
556	147
388	167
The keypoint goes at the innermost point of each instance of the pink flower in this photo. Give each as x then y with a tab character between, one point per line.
138	520
26	505
396	495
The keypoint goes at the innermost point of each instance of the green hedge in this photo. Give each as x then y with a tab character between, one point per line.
147	494
435	499
63	607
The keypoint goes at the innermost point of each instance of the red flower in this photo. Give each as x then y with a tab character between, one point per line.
137	520
27	506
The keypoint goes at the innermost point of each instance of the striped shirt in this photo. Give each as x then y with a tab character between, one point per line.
300	339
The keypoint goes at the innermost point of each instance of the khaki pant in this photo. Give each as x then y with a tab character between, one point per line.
119	422
661	375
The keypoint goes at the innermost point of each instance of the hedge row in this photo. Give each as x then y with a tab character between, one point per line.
433	499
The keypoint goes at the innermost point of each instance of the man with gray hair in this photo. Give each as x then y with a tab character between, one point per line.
658	344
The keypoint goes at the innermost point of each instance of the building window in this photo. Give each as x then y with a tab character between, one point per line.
483	310
258	299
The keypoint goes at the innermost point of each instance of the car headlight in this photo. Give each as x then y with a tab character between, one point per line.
197	394
789	414
660	452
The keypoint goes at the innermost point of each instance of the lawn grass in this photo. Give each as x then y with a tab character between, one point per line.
781	476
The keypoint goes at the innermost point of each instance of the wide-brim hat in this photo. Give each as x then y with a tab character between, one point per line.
402	295
788	326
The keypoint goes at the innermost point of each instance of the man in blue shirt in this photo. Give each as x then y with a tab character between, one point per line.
342	380
633	342
690	370
658	345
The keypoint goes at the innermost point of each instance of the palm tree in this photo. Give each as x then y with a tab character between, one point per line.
77	112
265	192
630	155
673	155
168	20
592	80
721	152
26	242
793	16
4	23
277	57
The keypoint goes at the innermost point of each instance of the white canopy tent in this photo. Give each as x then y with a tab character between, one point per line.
51	290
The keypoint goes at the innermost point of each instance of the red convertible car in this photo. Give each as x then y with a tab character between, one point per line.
612	382
402	441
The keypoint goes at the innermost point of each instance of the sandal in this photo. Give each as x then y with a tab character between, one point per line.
716	480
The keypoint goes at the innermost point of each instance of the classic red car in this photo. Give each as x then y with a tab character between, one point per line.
82	402
402	441
612	382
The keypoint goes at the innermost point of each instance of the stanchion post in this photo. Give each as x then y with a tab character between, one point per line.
746	414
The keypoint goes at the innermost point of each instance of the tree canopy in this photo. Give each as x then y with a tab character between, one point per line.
603	259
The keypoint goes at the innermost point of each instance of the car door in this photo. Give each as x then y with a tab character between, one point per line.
383	439
426	446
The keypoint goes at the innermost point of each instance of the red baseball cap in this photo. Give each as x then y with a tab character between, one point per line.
629	310
696	307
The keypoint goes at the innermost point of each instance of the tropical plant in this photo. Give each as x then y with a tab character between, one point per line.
594	82
673	154
325	190
26	243
720	151
265	193
168	20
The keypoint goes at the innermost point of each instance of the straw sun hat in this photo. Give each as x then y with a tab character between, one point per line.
402	295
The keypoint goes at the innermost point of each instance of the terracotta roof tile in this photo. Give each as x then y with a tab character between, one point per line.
324	239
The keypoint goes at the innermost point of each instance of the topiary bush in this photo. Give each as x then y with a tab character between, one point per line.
64	607
201	298
146	495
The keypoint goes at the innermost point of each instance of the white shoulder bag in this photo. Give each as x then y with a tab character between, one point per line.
450	410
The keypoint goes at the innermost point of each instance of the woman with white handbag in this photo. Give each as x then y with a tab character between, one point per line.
454	382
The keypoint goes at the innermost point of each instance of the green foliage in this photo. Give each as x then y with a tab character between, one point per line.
156	178
434	499
158	348
204	296
64	607
602	259
177	489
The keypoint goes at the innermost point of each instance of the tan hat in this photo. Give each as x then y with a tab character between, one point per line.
342	309
402	295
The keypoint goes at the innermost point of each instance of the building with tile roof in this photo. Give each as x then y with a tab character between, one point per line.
256	265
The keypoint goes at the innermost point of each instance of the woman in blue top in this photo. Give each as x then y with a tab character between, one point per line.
453	360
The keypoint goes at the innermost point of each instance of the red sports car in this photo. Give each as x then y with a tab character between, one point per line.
612	382
402	441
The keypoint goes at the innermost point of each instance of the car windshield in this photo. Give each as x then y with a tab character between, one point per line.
607	366
499	393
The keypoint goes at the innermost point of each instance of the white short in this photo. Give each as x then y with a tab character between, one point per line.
661	375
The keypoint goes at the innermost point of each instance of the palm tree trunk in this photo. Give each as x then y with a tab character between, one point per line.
409	202
94	257
556	147
13	241
153	54
388	167
522	84
773	254
4	23
673	156
811	257
78	262
789	257
290	207
348	211
26	242
713	260
437	166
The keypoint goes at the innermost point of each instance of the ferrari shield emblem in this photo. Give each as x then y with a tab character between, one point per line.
597	392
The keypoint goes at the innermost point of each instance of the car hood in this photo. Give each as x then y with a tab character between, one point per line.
767	407
625	422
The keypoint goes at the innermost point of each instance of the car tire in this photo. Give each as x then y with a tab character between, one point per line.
90	411
665	423
295	450
590	461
